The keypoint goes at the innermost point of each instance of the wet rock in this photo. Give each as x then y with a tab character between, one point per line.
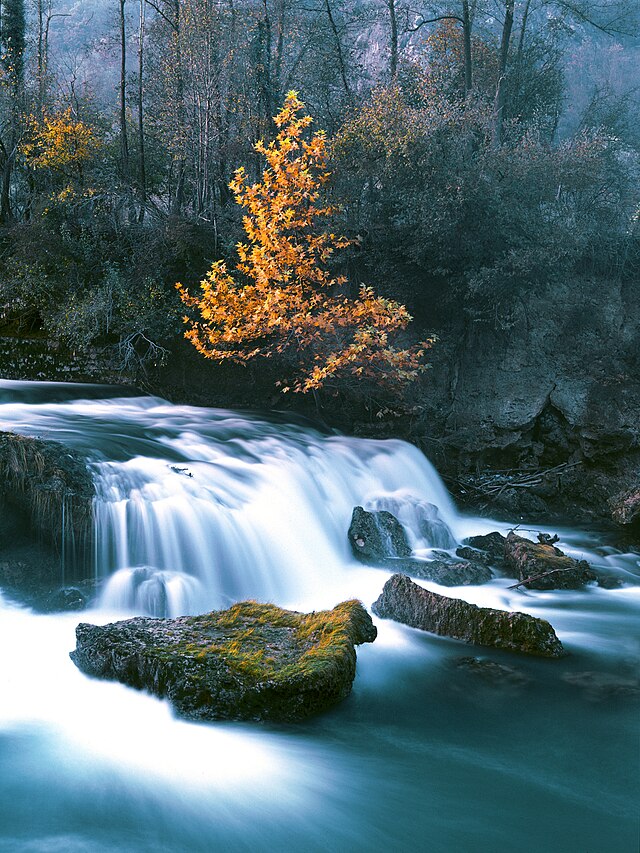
419	516
406	602
473	555
449	572
541	566
51	484
250	662
376	536
491	543
603	686
625	506
66	599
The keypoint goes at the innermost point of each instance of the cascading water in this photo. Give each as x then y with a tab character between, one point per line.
197	508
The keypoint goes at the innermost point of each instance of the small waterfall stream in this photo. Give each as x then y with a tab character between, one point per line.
198	508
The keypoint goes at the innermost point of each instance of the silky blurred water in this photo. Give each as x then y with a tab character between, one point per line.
198	508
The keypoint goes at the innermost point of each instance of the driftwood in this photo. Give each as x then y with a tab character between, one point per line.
547	539
493	484
539	577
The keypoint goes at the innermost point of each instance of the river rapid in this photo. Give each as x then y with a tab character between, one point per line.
198	508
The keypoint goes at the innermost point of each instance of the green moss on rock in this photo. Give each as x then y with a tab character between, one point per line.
252	661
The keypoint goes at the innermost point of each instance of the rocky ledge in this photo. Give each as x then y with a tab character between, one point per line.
406	602
50	483
250	662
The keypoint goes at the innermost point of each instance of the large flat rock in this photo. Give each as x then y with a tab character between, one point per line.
250	662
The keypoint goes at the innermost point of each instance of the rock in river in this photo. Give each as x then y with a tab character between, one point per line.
250	662
406	602
446	572
541	566
377	535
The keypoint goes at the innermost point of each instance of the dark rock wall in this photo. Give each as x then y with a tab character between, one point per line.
563	375
559	383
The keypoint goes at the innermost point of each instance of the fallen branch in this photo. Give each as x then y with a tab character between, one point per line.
539	577
492	485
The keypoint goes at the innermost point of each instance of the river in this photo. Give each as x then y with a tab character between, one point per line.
198	508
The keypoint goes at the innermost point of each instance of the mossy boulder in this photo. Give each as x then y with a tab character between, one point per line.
406	602
543	566
250	662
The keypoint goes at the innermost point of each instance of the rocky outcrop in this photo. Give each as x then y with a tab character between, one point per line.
406	602
625	507
51	484
377	536
250	662
541	566
552	389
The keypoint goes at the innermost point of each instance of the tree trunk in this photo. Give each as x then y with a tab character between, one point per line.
142	174
498	105
393	40
468	57
341	61
180	160
124	140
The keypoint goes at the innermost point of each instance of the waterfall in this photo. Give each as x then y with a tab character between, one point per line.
197	508
264	515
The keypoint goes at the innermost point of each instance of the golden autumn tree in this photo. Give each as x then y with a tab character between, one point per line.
282	298
58	142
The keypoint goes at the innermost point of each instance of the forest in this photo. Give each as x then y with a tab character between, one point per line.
474	151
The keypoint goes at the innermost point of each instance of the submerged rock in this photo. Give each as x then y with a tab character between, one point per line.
406	602
447	572
604	686
541	566
376	536
491	673
419	516
250	662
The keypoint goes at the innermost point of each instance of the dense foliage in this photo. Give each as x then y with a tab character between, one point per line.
466	163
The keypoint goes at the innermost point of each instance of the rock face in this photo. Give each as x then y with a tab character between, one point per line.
50	483
250	662
376	536
558	383
544	566
406	602
625	507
